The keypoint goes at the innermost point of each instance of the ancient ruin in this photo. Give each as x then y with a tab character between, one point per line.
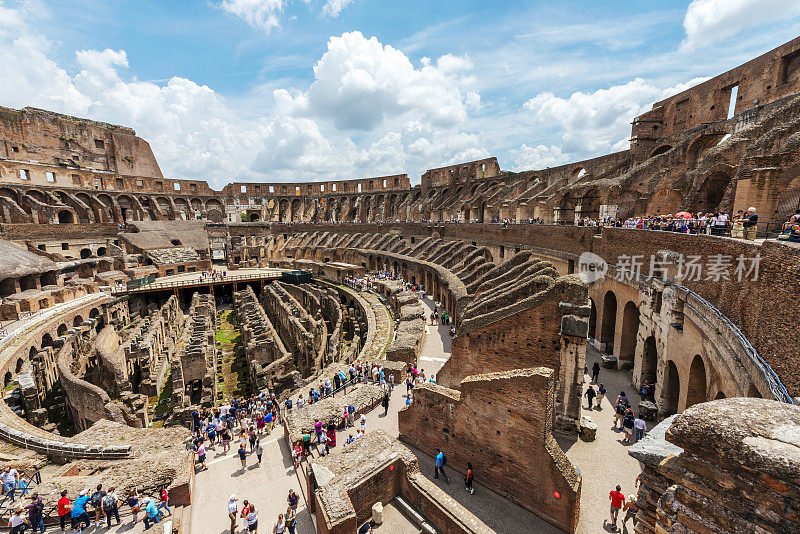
130	300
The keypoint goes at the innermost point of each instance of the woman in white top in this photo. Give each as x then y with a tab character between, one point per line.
280	526
252	520
18	521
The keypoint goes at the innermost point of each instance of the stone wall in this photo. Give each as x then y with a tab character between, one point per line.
502	423
197	351
722	466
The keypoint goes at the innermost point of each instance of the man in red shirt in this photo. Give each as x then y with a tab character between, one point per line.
617	501
63	509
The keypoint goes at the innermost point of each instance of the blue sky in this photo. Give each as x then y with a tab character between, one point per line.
291	90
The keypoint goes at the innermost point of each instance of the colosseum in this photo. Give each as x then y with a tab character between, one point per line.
469	314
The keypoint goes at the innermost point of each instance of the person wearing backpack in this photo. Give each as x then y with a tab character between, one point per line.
111	506
36	513
97	502
627	422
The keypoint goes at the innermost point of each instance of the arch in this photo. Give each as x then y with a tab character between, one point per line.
663	149
7	379
296	208
697	382
630	329
61	330
672	390
590	203
9	194
565	209
712	191
85	253
592	320
65	217
47	340
649	361
577	173
94	312
254	217
609	321
102	251
77	321
720	395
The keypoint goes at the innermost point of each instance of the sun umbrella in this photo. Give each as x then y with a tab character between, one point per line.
683	215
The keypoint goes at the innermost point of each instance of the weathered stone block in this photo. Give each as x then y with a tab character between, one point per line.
608	361
647	410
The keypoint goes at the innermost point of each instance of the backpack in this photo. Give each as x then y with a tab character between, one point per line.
97	498
38	508
289	403
444	459
109	501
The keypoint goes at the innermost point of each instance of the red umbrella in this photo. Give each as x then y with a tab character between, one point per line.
683	215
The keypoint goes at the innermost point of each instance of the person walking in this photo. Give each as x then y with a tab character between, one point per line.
441	461
233	512
595	372
617	501
631	509
259	451
280	525
163	497
133	502
97	504
252	519
385	403
469	478
18	521
292	500
243	456
63	510
639	428
601	394
291	520
627	424
9	479
111	506
36	513
590	395
78	514
151	513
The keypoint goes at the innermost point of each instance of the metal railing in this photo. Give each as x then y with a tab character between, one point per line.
28	479
202	281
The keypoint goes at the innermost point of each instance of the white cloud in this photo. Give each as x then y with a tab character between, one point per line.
262	14
708	21
360	82
598	122
333	8
538	157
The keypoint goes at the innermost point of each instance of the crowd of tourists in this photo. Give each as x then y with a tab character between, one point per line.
89	508
286	522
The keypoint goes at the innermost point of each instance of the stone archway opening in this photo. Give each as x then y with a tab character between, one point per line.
649	361
609	321
697	382
65	217
592	320
672	390
630	329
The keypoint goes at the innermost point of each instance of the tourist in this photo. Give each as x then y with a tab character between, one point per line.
627	424
318	429
385	403
322	447
291	520
252	519
440	462
233	511
620	406
36	513
201	455
617	501
111	506
639	427
631	509
469	478
18	521
366	528
590	395
78	514
601	394
292	499
259	451
269	421
133	502
595	372
63	509
307	444
243	456
363	425
350	439
9	479
280	525
226	439
750	224
151	514
97	504
297	455
163	497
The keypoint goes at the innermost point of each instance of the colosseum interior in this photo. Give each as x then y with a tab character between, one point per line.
114	331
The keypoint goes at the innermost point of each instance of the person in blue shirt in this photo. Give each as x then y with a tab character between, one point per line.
78	515
441	461
268	421
151	513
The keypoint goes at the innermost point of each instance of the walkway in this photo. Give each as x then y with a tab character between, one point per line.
603	463
436	346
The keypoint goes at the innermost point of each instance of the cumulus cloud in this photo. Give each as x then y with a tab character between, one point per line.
708	21
262	14
538	157
360	82
598	122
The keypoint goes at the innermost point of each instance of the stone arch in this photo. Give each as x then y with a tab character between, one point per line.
77	321
664	201
672	389
590	203
663	149
720	395
215	211
102	251
85	253
698	385
711	192
7	379
61	330
592	320
698	148
9	194
182	208
126	208
565	209
47	340
577	173
609	325
254	217
649	370
296	208
66	217
630	329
